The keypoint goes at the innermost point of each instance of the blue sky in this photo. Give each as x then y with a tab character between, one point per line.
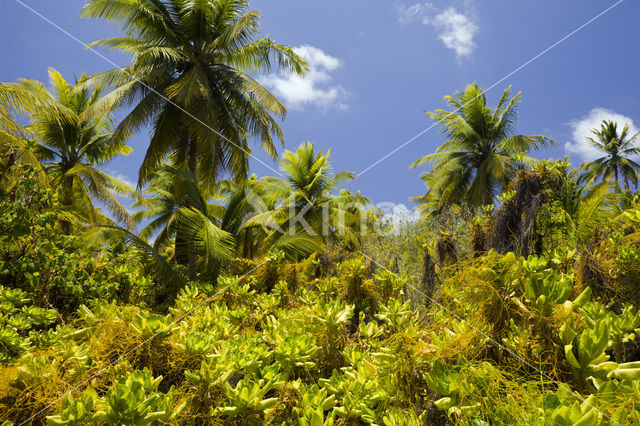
378	65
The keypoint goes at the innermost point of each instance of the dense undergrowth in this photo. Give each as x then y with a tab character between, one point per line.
285	300
334	338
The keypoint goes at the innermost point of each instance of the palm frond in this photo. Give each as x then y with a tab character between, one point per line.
156	264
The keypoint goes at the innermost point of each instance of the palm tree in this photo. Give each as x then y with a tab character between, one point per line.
617	147
170	188
14	149
236	203
71	140
481	154
189	79
180	212
585	206
303	202
224	206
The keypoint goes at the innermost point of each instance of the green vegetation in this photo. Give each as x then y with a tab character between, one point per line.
289	300
481	154
198	56
617	147
71	138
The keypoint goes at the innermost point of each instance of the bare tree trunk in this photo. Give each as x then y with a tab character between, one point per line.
371	267
447	250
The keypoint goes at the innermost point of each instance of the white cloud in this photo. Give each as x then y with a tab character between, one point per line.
395	215
416	12
456	29
401	214
315	87
121	177
593	120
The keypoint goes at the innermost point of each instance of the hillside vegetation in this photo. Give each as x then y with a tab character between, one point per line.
220	297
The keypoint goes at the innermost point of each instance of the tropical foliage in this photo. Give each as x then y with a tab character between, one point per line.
190	79
482	152
70	139
302	201
618	147
288	299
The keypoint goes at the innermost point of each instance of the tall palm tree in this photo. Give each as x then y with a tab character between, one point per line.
190	79
617	147
482	151
303	202
71	140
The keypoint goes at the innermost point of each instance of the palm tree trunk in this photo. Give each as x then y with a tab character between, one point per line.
67	200
247	250
180	250
192	158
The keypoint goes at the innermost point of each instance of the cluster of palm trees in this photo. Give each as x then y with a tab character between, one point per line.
189	81
483	152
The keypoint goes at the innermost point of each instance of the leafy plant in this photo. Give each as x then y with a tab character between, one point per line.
134	400
249	396
76	412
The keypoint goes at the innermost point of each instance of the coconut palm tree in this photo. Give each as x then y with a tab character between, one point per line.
14	145
170	188
617	147
303	202
184	220
190	80
71	141
175	200
482	151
